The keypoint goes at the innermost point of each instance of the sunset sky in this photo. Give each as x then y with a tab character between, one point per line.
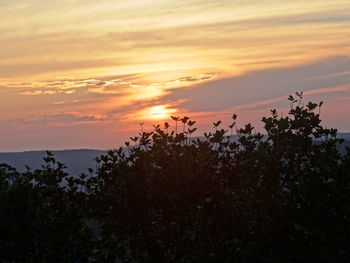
84	74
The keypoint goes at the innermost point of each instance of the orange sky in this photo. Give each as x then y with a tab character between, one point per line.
83	74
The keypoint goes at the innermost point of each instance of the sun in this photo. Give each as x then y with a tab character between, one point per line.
159	112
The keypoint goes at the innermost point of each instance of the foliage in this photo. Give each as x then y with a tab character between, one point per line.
168	197
40	217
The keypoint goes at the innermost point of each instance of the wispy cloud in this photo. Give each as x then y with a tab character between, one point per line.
58	119
83	36
47	92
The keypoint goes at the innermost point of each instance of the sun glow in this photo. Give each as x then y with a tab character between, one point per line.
159	112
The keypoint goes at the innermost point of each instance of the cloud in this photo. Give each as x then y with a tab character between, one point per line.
57	119
109	86
66	118
47	92
263	85
234	31
20	69
199	77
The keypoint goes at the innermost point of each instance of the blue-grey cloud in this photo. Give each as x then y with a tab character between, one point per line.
262	85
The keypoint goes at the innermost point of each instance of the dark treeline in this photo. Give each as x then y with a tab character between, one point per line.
282	197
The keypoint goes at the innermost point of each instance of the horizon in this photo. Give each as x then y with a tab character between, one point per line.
340	135
84	74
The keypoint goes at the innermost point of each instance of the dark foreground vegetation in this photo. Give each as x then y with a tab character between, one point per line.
282	197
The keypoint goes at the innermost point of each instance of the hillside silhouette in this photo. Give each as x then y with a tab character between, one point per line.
77	161
168	197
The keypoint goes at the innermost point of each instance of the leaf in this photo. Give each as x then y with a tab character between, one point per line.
184	119
216	124
192	130
191	123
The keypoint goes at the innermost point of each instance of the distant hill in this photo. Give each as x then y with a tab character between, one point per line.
77	161
344	135
342	148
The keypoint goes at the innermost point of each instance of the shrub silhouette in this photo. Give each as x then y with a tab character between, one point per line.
278	197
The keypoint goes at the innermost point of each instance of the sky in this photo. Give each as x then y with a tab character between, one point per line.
84	74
